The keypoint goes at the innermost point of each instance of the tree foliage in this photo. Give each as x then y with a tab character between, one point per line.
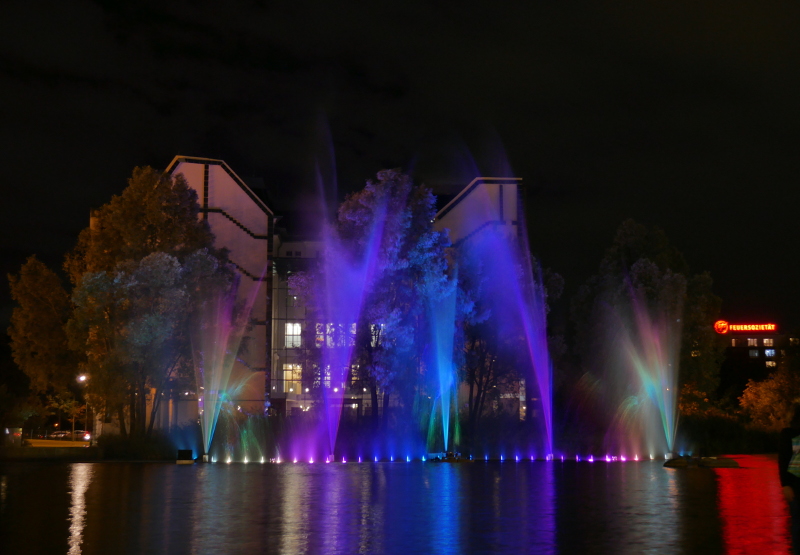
155	213
140	273
642	263
410	270
38	341
768	402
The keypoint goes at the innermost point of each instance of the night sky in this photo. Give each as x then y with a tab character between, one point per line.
679	114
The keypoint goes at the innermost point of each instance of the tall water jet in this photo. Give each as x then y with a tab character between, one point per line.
487	225
216	346
644	369
442	315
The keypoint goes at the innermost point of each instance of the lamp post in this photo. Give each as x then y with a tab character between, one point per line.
83	379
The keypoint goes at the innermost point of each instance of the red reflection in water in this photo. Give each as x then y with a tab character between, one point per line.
755	518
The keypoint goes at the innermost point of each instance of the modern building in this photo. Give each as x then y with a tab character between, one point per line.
266	249
754	350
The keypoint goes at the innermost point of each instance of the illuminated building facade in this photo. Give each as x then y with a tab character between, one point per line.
754	350
266	249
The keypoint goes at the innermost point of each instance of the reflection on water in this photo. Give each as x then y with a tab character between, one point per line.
526	507
750	504
79	480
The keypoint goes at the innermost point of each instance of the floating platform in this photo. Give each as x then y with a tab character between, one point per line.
702	462
448	457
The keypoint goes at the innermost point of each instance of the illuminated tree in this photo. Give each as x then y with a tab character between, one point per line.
767	402
410	269
134	325
38	342
155	213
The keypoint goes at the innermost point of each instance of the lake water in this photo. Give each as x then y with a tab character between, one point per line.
416	507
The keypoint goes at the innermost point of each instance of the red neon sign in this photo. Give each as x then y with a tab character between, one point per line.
721	326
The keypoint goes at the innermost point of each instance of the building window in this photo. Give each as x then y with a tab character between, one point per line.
794	340
753	353
771	364
292	378
733	343
752	342
289	253
335	335
769	342
293	337
769	353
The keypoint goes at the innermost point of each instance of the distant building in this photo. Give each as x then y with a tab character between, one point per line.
753	352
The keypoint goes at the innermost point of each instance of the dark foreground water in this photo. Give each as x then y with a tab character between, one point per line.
539	507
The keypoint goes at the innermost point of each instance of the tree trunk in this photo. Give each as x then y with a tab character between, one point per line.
385	408
132	411
154	411
142	410
373	391
123	430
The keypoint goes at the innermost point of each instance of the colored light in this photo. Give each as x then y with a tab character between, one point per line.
408	459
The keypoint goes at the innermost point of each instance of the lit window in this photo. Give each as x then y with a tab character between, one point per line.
292	376
769	342
771	364
794	340
753	353
769	353
293	336
733	343
695	353
752	342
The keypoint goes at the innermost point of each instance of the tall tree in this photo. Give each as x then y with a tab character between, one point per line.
410	268
642	268
155	213
38	341
134	325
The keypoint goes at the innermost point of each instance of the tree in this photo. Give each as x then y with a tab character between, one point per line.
642	272
155	213
134	324
767	402
38	341
409	268
140	273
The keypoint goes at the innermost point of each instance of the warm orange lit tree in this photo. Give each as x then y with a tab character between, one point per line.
38	341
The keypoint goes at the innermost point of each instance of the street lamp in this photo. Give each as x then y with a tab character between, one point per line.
82	379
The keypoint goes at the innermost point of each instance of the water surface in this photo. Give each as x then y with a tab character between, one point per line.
416	507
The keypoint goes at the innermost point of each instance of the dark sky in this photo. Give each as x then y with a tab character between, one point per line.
676	113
